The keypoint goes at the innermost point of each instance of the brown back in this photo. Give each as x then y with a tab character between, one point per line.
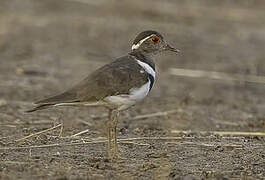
115	78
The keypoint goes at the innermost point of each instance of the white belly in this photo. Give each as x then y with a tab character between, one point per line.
124	101
138	94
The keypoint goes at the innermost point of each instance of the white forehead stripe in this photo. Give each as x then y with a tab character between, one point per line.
136	46
147	68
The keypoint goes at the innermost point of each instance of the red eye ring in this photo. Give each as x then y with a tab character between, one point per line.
155	39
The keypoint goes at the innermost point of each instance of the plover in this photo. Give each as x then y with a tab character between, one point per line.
117	85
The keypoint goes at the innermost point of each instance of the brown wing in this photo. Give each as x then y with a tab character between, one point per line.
115	78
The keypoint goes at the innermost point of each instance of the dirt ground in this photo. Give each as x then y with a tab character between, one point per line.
48	46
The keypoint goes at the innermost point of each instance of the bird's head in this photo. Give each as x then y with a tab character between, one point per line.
150	43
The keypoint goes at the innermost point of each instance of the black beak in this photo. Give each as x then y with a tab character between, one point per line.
170	48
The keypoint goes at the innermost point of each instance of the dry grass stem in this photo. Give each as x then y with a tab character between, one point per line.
80	133
135	143
8	125
84	143
207	145
158	114
191	143
38	133
229	133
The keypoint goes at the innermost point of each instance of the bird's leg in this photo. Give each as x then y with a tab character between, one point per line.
109	127
115	121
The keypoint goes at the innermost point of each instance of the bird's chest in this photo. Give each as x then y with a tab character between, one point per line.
142	91
138	94
124	101
141	84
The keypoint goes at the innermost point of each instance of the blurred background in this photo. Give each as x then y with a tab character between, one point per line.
48	46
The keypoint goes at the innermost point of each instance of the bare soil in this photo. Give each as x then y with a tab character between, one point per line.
48	46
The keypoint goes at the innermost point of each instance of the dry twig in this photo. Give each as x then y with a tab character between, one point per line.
164	113
38	133
231	133
207	145
80	133
91	142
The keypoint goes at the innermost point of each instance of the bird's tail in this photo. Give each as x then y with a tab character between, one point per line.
39	107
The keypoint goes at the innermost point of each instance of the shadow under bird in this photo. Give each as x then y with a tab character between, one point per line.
117	85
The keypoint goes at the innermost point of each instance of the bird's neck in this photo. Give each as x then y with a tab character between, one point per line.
143	57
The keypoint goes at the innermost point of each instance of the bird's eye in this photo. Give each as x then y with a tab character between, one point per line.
155	39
